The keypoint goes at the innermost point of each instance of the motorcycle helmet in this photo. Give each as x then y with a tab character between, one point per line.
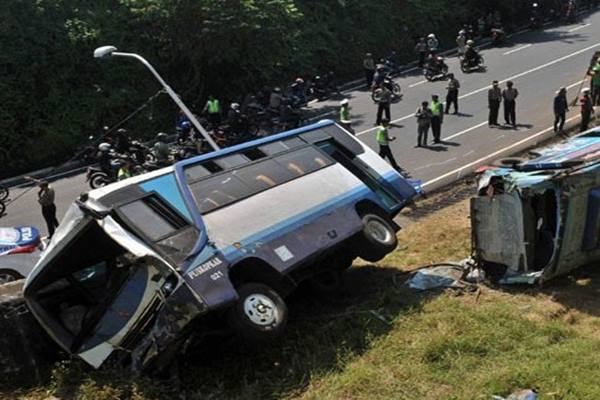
535	5
470	42
235	106
186	126
299	81
104	146
277	89
121	131
462	32
431	36
161	137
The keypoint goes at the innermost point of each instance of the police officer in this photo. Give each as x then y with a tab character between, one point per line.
509	95
383	139
213	107
437	117
494	99
345	120
560	110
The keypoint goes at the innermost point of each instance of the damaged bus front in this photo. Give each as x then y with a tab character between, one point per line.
227	234
540	218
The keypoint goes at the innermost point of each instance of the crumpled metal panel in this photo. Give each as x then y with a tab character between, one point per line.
498	233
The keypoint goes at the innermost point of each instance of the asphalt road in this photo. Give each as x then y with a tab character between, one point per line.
537	62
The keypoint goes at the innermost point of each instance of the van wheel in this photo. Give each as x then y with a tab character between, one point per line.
259	315
377	239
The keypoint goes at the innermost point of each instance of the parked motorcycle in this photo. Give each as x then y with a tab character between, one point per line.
97	178
435	69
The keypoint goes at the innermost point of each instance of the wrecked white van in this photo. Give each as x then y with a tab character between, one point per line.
226	234
537	219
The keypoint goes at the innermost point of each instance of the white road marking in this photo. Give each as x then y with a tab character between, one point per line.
576	53
417	84
436	164
517	49
491	155
578	28
468	154
575	84
465	131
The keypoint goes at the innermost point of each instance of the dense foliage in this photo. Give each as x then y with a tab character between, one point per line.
54	94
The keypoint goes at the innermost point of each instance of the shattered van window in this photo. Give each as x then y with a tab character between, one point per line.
147	220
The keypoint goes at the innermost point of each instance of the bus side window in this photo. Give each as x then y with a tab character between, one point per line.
263	175
303	161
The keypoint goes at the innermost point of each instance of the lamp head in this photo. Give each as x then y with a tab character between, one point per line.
104	51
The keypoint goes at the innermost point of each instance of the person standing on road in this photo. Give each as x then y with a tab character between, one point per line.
587	109
383	139
437	118
596	84
560	110
494	99
423	115
46	200
369	67
345	120
509	95
452	95
421	49
384	104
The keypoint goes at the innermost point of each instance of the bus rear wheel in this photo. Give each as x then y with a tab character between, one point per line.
260	314
377	238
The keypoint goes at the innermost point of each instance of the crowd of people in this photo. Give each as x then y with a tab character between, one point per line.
430	114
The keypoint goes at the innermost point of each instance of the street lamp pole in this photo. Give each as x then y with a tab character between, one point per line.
110	51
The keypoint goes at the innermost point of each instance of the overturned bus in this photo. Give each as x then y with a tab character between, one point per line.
536	219
135	265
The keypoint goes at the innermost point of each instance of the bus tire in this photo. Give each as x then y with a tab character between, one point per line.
377	238
259	315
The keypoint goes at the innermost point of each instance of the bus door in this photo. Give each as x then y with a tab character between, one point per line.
362	171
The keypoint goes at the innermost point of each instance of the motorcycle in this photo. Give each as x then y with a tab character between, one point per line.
4	192
323	87
466	66
435	70
391	85
97	178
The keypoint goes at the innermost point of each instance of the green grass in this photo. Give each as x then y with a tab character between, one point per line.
377	340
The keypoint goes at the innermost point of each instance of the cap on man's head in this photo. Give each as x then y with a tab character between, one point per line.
43	183
344	102
494	82
586	90
435	96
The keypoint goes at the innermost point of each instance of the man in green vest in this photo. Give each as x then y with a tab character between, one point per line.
345	120
213	108
596	84
383	139
437	117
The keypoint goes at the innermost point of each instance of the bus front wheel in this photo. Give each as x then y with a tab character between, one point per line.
260	314
377	238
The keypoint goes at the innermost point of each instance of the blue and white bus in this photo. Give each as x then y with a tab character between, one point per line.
227	234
